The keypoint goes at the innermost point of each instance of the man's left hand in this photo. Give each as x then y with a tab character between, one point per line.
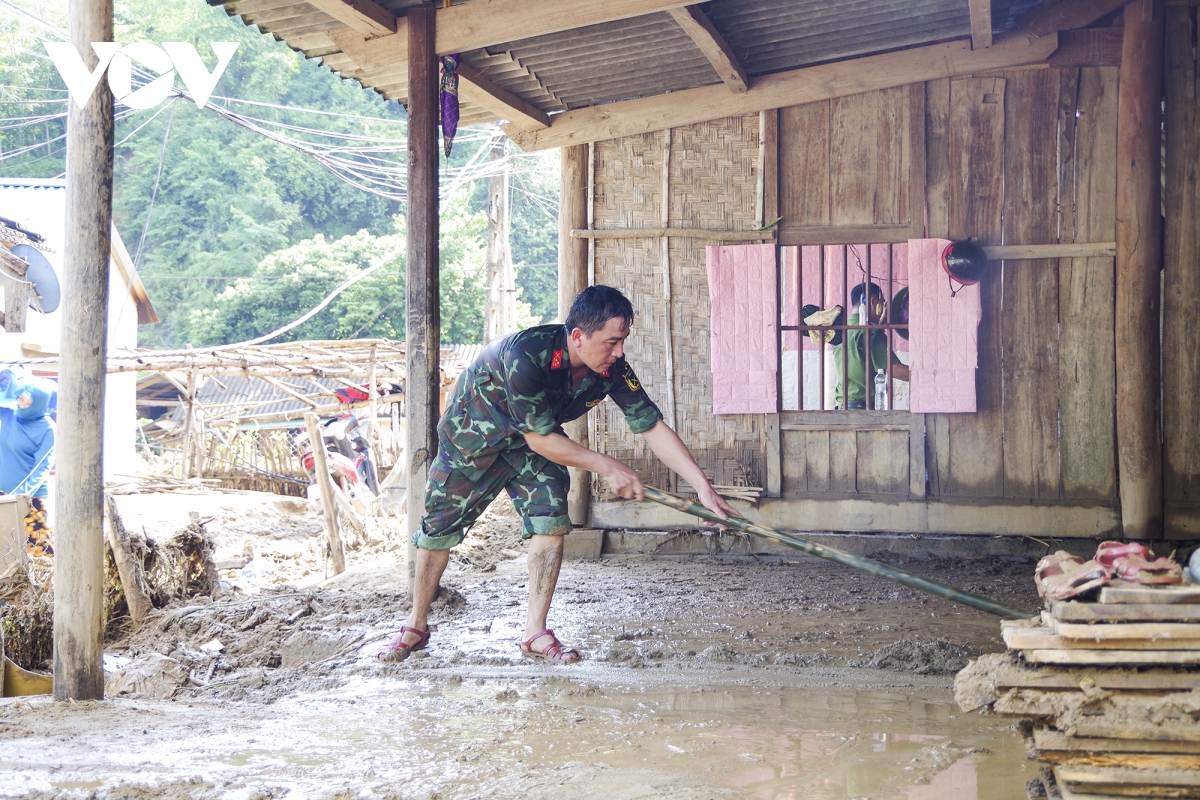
717	504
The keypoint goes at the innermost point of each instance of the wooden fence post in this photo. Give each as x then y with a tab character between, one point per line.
79	555
337	553
422	288
1139	259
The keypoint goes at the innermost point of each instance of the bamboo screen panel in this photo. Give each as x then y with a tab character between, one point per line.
712	183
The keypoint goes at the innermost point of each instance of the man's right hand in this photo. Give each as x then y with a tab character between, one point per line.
624	481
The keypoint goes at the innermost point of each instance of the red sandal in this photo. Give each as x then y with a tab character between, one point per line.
1136	563
399	650
553	651
1061	576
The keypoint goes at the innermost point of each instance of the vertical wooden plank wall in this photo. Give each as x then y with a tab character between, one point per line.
1181	277
1029	316
974	463
1087	209
1026	156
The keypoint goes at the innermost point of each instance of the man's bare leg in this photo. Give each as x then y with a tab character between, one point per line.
545	559
430	566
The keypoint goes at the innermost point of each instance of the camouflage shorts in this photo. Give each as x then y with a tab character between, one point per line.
538	488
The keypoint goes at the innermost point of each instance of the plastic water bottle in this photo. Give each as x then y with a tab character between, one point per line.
880	390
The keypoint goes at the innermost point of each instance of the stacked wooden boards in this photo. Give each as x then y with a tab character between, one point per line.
1108	693
1130	625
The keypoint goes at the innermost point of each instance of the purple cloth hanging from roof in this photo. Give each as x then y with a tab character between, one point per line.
449	97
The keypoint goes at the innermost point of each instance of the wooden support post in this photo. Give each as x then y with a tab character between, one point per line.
768	212
133	582
337	554
573	279
668	302
79	555
424	328
1139	259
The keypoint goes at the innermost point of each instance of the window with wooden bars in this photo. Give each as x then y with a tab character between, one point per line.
844	312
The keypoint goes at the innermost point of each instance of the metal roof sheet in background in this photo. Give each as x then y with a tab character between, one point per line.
774	35
650	55
614	61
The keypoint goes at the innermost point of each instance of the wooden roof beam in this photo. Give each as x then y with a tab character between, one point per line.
475	86
712	44
795	87
482	23
981	23
363	16
1061	15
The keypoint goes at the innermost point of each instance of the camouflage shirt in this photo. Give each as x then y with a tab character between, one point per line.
520	384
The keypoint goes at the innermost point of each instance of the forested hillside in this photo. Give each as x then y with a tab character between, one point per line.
235	219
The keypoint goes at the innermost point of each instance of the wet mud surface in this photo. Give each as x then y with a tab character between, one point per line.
701	678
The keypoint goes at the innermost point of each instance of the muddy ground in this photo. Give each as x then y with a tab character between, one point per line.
702	678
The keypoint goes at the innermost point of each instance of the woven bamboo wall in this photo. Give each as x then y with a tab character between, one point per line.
712	184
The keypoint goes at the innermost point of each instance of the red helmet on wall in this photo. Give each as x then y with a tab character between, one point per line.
964	262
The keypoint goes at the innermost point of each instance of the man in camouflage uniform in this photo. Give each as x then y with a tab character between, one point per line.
503	430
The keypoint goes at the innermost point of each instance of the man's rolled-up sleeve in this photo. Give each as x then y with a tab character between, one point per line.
627	392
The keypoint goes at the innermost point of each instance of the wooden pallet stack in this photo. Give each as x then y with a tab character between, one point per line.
1108	692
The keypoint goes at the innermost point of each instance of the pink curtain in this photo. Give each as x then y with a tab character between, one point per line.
744	328
943	333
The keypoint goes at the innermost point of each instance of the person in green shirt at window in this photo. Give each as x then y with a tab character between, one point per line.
870	306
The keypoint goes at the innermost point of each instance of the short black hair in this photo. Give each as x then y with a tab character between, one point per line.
856	294
595	306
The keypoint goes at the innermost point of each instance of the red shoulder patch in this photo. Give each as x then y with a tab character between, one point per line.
556	360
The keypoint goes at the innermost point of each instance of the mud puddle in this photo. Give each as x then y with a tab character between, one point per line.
446	736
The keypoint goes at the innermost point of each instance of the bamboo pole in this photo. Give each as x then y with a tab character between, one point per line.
1139	262
337	553
79	556
846	559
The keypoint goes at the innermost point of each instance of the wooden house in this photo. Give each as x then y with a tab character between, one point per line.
1033	128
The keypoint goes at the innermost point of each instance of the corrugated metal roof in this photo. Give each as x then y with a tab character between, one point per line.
774	35
647	55
621	60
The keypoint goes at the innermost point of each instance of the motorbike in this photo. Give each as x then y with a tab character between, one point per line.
348	454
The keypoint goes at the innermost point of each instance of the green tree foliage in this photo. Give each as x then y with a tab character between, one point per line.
288	283
214	200
533	233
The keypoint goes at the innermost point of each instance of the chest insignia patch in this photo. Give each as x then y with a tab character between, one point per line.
630	380
556	360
